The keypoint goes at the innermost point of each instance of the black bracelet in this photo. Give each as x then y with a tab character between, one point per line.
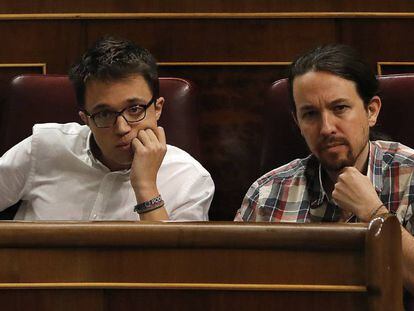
150	205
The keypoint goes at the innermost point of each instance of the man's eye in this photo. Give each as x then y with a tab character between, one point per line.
104	114
135	110
308	114
340	108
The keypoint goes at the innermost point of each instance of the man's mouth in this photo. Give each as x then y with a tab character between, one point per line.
332	144
329	146
123	146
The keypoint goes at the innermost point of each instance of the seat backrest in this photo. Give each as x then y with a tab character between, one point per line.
51	98
282	141
396	116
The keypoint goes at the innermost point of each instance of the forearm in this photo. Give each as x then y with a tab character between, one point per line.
149	151
407	259
15	166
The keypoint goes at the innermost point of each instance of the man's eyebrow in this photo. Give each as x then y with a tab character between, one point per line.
306	107
100	106
338	101
136	100
128	101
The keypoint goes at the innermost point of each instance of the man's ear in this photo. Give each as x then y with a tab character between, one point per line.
159	104
84	117
373	108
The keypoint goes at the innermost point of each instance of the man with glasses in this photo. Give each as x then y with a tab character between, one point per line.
117	166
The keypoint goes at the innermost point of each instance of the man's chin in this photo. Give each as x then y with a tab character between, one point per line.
124	160
334	167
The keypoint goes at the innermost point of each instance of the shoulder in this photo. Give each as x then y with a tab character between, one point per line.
394	153
276	186
67	129
59	133
276	181
178	159
289	171
68	137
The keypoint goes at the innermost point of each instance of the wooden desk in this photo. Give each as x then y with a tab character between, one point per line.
200	266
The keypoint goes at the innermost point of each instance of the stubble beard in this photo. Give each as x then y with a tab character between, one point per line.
335	162
336	165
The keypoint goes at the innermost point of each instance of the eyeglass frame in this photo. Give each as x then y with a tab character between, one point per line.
120	113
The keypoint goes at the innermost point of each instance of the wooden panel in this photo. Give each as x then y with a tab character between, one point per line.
386	68
380	40
51	6
41	300
105	300
57	43
216	266
198	40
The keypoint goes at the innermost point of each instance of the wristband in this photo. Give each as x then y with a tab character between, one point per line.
150	205
374	213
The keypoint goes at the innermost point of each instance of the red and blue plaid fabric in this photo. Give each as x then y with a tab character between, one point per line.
294	192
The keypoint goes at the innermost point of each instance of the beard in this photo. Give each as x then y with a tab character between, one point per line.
335	161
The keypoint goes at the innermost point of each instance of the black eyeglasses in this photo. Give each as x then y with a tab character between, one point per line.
107	118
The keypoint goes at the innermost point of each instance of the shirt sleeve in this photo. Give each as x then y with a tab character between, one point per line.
405	212
248	209
194	196
15	167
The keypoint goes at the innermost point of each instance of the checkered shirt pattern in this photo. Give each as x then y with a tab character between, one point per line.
294	192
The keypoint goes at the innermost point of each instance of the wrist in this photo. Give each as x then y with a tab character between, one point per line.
145	192
380	209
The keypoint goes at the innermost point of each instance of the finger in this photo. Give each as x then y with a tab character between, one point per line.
152	135
161	135
344	170
144	137
335	194
136	145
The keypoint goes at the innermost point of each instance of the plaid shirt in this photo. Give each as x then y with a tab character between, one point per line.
294	192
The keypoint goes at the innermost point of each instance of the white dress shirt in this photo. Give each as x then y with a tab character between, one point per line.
57	177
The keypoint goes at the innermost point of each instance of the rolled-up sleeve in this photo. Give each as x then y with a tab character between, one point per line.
15	166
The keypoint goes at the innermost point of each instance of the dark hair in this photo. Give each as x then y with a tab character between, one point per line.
113	59
340	60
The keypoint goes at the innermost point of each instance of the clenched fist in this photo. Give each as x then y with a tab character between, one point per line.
355	193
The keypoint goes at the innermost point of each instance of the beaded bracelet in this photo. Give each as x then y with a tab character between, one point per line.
149	206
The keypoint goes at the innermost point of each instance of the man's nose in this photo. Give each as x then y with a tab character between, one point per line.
327	124
121	125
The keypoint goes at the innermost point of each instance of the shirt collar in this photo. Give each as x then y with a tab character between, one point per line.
375	166
314	182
